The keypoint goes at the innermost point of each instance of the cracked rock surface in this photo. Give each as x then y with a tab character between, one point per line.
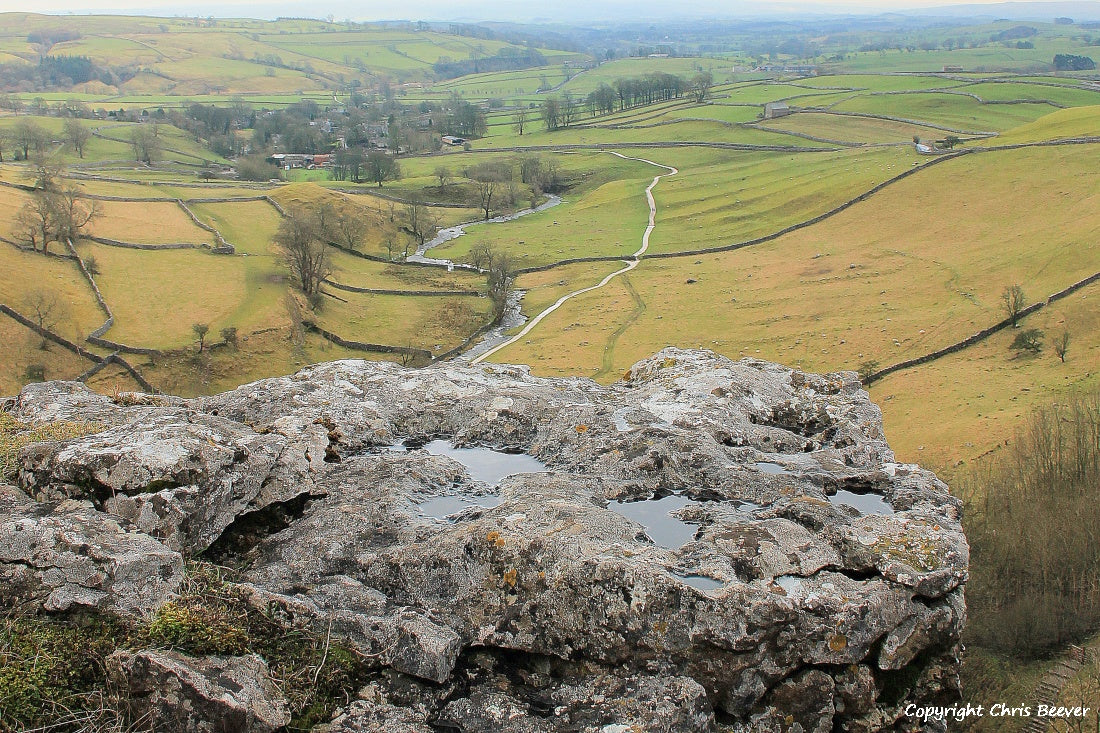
707	545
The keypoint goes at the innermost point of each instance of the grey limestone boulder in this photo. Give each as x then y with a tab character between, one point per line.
705	540
65	555
169	691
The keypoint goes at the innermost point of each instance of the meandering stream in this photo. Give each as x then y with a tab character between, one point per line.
446	235
630	264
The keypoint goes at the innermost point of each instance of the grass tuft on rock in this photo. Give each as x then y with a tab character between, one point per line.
15	434
53	668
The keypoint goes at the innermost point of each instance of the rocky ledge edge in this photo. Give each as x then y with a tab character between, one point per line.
818	585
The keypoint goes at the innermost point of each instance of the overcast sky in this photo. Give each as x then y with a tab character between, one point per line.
517	10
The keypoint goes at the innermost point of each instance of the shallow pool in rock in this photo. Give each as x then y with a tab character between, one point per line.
863	503
660	525
656	516
442	507
483	464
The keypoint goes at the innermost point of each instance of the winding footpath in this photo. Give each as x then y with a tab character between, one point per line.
630	265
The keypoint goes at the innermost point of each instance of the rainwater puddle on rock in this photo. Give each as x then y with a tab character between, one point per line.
655	515
769	467
863	503
483	464
442	507
701	582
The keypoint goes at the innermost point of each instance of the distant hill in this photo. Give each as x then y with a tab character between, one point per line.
1078	11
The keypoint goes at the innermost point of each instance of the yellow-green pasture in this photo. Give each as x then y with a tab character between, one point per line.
435	323
147	222
1060	125
724	197
918	266
963	405
25	274
248	225
157	296
852	129
605	222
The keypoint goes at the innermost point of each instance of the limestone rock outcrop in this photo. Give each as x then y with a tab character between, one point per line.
61	556
174	692
704	545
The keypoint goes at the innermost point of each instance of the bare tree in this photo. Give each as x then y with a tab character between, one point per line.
47	172
487	176
1061	346
481	255
73	212
77	134
700	86
443	173
382	167
1013	301
34	224
46	309
420	220
520	120
303	251
146	143
28	134
500	282
351	228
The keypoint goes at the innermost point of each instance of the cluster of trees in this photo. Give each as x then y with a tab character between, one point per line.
1034	528
463	120
56	212
497	265
357	165
304	236
357	133
1070	62
23	138
46	38
59	72
27	139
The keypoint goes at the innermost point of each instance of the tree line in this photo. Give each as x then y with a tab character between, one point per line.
564	111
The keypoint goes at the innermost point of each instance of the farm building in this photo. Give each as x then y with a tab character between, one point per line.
776	109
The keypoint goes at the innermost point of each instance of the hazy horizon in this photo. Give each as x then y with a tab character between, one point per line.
567	11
